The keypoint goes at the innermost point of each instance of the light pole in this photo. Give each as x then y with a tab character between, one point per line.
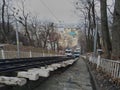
17	40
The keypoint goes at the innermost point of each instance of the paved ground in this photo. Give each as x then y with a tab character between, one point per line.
75	77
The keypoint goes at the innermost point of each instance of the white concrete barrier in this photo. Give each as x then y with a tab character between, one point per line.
63	64
12	80
49	68
52	67
41	72
56	66
66	63
30	75
71	62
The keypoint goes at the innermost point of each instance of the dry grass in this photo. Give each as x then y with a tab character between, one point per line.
25	49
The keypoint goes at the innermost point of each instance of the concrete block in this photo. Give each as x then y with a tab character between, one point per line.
63	64
12	80
56	65
70	62
30	75
41	72
49	68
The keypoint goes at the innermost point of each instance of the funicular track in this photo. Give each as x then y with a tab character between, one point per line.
9	65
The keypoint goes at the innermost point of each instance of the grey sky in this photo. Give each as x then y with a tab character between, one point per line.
55	10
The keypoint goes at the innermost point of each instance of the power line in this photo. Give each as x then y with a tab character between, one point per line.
50	10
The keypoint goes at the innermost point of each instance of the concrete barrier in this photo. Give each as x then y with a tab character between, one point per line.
41	72
49	68
12	80
30	75
56	66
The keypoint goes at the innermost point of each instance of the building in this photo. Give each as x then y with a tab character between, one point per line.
69	37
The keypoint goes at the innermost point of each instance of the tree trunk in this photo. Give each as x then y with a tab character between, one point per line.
98	41
27	32
51	43
44	45
89	28
104	28
3	22
93	13
116	31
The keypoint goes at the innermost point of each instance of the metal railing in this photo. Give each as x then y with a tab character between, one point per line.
13	54
111	67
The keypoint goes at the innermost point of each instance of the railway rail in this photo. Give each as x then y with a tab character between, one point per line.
18	71
9	65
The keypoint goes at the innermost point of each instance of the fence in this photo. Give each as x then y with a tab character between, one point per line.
111	67
13	54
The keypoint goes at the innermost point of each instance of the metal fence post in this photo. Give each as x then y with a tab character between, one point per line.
30	54
3	54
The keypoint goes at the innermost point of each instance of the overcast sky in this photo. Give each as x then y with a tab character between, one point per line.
55	10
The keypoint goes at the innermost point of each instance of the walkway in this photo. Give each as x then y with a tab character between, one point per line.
75	77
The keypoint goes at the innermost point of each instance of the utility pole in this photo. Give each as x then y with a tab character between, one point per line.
17	40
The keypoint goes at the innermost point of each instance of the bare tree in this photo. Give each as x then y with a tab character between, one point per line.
23	19
34	28
44	32
53	37
116	31
3	22
104	28
88	10
6	26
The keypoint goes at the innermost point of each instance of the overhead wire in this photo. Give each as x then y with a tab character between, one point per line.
49	10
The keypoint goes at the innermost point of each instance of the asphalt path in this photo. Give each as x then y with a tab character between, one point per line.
76	77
